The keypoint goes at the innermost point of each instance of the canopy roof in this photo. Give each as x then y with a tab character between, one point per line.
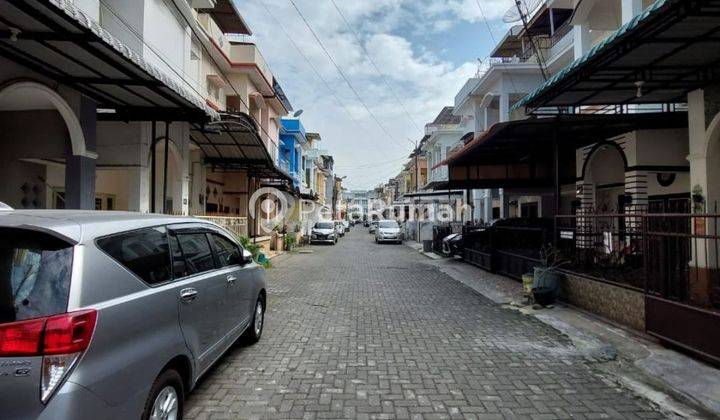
520	154
671	48
234	144
57	40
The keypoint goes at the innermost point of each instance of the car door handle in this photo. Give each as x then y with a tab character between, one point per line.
188	295
231	279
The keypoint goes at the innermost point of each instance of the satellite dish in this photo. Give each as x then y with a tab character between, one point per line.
298	113
526	7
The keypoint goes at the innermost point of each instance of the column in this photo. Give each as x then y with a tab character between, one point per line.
80	170
630	9
504	107
636	188
581	39
139	189
487	217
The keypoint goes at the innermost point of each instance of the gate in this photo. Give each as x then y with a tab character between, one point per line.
682	283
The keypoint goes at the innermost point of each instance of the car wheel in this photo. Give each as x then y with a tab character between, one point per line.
166	398
254	331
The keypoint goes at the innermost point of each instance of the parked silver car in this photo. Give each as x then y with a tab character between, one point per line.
388	231
116	315
324	232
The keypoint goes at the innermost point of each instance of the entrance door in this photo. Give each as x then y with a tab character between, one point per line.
670	254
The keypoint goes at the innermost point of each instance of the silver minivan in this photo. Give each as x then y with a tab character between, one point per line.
117	315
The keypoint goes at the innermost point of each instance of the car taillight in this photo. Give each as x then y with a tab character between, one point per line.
69	333
60	339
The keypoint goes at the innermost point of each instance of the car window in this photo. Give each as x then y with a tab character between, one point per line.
179	267
227	252
323	225
144	252
196	249
35	271
388	225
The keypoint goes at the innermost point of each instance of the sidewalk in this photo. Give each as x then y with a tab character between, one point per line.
677	383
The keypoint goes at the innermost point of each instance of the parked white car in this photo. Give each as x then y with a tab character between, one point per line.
324	232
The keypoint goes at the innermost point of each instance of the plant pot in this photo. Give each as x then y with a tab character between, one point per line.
546	278
543	295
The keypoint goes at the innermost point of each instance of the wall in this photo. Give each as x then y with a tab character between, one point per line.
621	305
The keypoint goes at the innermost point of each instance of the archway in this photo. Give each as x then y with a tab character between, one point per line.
40	133
604	169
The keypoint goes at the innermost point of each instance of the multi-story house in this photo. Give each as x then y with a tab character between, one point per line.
621	131
159	107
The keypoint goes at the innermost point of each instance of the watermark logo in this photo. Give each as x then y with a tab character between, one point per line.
270	207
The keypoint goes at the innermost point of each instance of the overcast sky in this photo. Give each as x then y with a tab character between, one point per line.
425	49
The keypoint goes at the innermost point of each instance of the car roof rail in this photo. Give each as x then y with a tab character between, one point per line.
5	207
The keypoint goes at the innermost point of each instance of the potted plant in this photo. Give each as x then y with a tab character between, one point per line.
546	278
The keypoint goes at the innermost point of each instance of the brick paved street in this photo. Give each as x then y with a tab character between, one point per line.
360	330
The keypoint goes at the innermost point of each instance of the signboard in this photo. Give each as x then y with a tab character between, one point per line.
567	234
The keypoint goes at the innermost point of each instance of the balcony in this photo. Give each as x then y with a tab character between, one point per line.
243	55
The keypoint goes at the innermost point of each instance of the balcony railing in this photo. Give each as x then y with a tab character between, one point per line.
249	53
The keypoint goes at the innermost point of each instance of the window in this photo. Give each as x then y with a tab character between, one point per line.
196	249
179	267
35	273
144	252
227	252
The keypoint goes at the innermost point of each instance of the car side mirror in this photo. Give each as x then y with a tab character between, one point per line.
246	257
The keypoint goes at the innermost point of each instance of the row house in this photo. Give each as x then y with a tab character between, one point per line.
616	136
150	106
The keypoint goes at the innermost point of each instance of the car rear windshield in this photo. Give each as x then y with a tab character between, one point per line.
323	225
35	270
388	225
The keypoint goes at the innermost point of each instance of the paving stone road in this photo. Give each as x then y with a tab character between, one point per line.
360	330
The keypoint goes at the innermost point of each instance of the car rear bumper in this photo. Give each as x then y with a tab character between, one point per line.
389	239
75	402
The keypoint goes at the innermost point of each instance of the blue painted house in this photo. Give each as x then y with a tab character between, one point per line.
292	136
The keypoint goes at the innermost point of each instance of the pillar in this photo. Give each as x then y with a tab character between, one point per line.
139	189
80	170
80	183
636	188
504	107
630	9
487	216
581	39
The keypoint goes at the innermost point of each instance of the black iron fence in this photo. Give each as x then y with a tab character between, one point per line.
671	256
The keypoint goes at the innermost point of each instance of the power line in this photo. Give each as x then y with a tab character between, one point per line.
310	64
342	74
492	36
380	73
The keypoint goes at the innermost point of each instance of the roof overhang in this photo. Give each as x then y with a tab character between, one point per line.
233	144
228	18
57	40
520	154
673	47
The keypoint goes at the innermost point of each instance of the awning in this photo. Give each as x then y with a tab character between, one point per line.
671	48
436	186
57	40
233	144
520	154
227	17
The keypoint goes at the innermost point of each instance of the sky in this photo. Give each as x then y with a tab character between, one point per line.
400	61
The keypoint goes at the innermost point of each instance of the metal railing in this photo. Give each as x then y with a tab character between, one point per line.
671	256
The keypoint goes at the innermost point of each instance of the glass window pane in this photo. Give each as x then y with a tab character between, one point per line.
144	252
196	248
35	272
228	253
178	259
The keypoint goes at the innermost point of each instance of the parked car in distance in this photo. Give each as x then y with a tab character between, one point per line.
346	223
388	231
339	228
324	232
373	227
117	315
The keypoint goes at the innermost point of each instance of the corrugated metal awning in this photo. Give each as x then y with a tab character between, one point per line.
234	144
671	48
57	40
